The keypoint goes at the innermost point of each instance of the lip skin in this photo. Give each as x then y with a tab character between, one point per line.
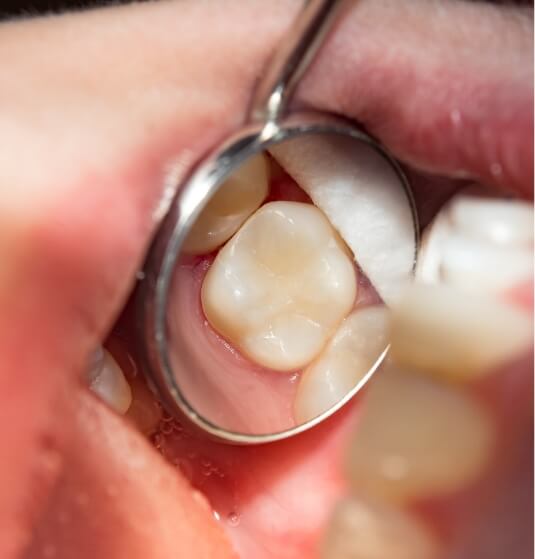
85	158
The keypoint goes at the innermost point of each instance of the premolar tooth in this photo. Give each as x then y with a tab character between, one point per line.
364	200
240	195
479	244
417	439
280	287
500	221
472	264
106	379
362	529
348	357
442	331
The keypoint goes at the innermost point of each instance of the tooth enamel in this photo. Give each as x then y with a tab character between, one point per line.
498	221
442	331
362	529
106	379
417	439
280	287
347	359
240	195
479	244
364	200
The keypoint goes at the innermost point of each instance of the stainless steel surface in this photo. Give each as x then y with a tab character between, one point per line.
291	59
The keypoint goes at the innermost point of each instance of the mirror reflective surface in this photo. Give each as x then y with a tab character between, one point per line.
286	274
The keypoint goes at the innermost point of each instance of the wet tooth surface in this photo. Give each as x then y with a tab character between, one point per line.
499	221
364	200
106	379
362	529
280	287
417	439
442	331
346	360
478	244
239	196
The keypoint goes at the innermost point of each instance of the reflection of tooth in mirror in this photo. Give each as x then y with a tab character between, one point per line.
363	529
272	296
281	286
348	357
364	199
479	244
237	198
418	439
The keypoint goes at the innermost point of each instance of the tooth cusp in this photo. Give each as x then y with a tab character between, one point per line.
347	359
478	244
237	198
280	287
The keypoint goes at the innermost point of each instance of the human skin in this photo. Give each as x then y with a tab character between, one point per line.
95	109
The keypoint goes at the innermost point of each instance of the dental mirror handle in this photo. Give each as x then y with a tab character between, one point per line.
291	59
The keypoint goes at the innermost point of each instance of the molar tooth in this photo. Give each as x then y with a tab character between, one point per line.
364	200
106	379
348	357
240	195
280	287
442	331
417	438
361	529
478	243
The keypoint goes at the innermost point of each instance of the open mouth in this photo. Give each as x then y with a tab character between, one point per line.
88	480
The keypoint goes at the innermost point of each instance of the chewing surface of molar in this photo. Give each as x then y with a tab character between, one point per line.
478	244
280	287
363	198
346	360
106	379
364	529
417	438
449	333
237	198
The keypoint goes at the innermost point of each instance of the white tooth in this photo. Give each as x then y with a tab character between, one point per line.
495	220
443	331
280	287
478	244
417	438
364	200
472	264
106	379
345	362
362	529
239	196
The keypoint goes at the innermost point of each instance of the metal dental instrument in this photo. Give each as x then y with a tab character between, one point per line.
173	365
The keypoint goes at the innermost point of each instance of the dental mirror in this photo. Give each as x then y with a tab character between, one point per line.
263	307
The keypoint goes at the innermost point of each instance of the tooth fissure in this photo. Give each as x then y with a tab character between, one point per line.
280	287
